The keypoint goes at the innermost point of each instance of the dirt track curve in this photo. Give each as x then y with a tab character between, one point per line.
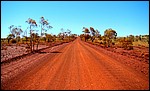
71	66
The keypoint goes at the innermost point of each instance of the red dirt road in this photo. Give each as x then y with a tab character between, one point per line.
73	66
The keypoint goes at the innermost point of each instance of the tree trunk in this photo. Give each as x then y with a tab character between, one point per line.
30	40
93	39
48	40
33	45
37	46
16	41
8	41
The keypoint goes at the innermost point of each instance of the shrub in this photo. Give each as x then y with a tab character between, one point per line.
13	41
127	45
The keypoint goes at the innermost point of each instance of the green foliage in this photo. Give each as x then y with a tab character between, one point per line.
31	22
125	43
45	25
93	31
109	35
86	30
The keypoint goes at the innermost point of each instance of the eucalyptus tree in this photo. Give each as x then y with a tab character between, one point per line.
25	35
93	32
32	23
69	32
36	39
17	31
10	27
97	33
65	33
44	25
86	33
62	34
110	35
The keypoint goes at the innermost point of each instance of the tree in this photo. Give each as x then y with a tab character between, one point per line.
86	30
17	31
9	37
140	37
44	25
62	34
93	32
25	35
59	36
36	39
110	35
69	32
10	27
32	24
86	33
97	33
81	36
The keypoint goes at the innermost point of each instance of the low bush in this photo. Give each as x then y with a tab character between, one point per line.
13	41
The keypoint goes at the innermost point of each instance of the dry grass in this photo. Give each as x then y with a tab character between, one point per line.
140	43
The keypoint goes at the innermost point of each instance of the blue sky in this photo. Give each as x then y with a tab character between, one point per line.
126	17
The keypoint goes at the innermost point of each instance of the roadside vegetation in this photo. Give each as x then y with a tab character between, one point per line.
34	42
110	39
15	45
35	39
136	47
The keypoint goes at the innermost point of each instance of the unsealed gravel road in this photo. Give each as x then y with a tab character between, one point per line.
71	66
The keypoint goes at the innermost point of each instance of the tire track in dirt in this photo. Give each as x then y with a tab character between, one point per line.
128	78
78	66
30	74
